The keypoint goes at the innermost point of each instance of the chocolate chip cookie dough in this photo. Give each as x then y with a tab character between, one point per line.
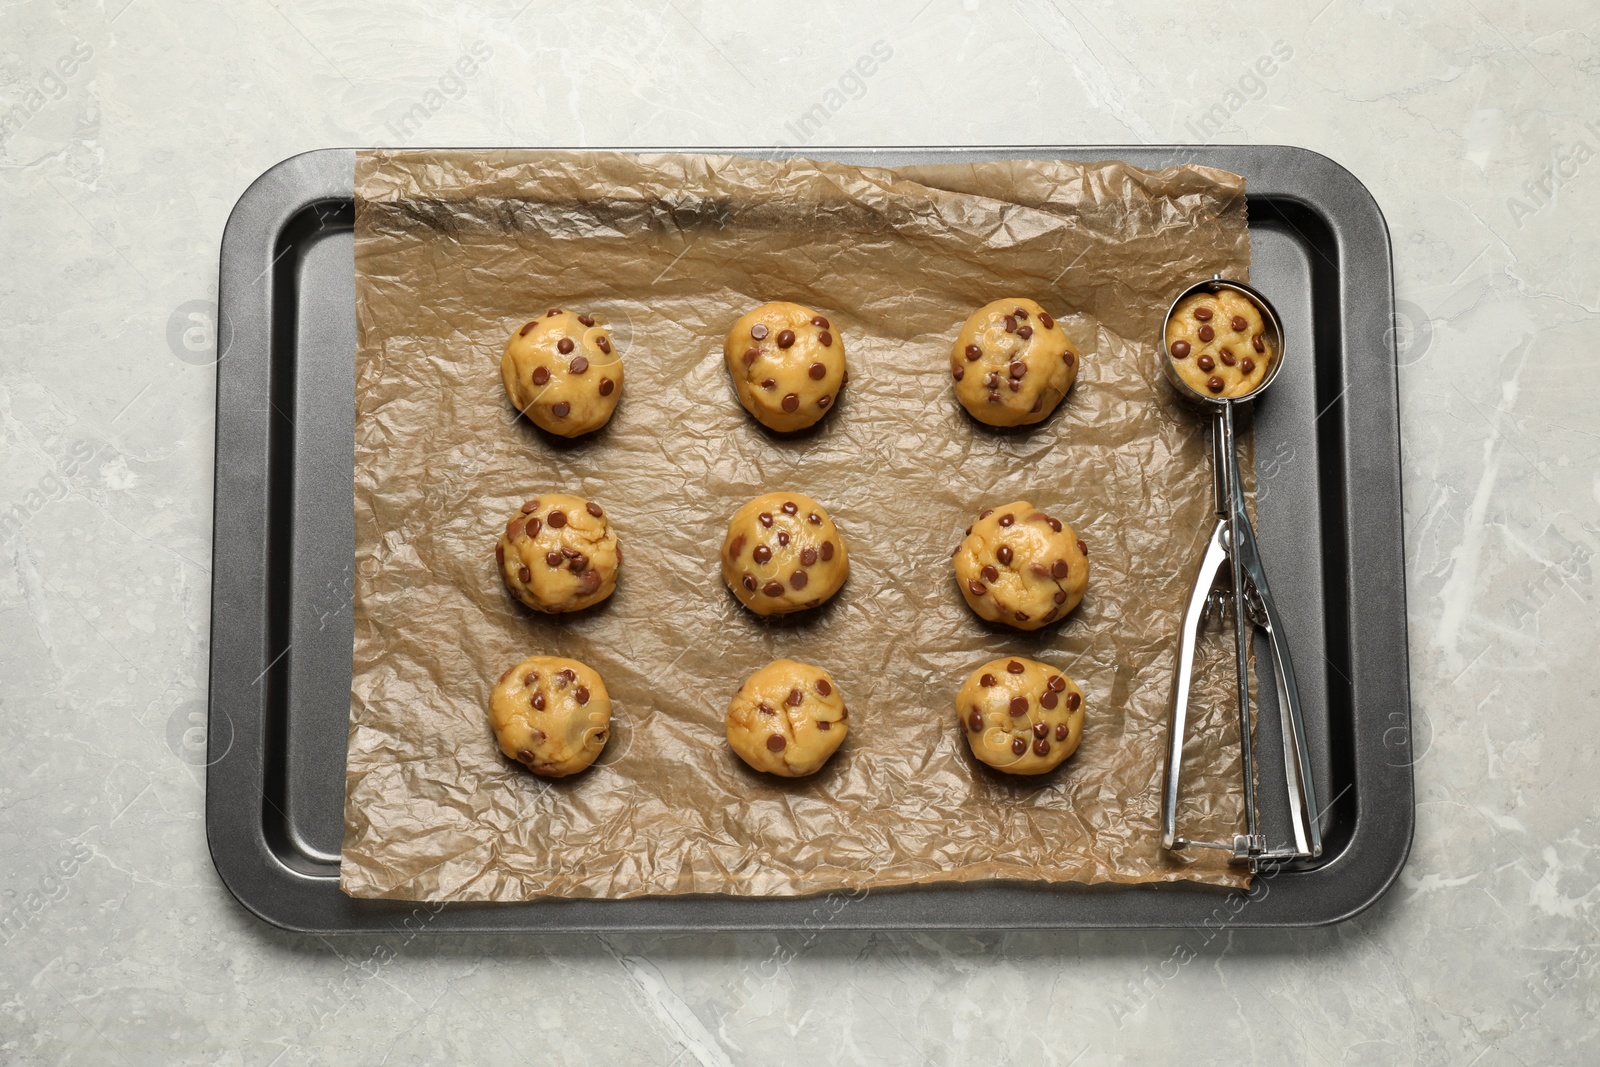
561	372
552	715
1020	716
782	554
787	364
1012	363
1021	567
1218	343
787	719
558	554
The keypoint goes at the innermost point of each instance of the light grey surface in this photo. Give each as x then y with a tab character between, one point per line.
1473	126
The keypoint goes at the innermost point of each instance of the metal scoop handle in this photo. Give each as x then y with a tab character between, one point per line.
1233	541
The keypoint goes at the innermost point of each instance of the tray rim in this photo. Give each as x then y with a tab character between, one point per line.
264	883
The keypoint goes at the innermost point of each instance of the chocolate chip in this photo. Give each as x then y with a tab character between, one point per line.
1180	349
1056	683
751	355
1058	569
1048	699
974	353
538	701
1019	705
560	409
1025	332
1047	321
824	725
1041	747
500	554
529	505
957	373
552	313
993	380
765	518
749	583
1011	324
1040	729
772	589
1007	519
1067	358
580	563
766	709
808	556
579	365
814	519
987	681
799	579
1247	365
1018	368
524	331
1258	344
594	509
1003	554
606	385
785	338
783	539
1083	548
1039	570
990	574
514	528
977	587
553	558
1013	667
531	527
986	514
1206	363
819	322
825	401
1061	596
823	687
790	507
556	519
775	743
1227	357
564	345
1038	406
827	550
758	331
817	372
1073	700
1016	386
1203	314
762	554
581	695
975	721
525	575
603	343
791	402
529	678
1215	384
825	339
1022	616
541	375
1019	746
769	383
1062	729
1055	524
1238	324
1207	333
588	582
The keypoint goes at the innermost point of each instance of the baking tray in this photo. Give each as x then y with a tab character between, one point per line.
1327	446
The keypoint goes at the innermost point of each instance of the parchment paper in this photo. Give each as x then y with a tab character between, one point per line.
455	250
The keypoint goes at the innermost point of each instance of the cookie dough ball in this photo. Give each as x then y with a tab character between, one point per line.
562	373
787	363
1020	716
1218	343
552	715
1012	363
787	719
558	554
1021	567
783	554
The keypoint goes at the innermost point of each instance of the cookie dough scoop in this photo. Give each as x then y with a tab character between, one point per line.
1222	345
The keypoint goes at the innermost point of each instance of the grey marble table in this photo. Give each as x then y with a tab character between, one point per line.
129	128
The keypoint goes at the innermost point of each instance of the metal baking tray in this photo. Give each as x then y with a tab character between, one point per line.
1327	448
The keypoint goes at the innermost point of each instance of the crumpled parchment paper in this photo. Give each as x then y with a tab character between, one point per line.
455	250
